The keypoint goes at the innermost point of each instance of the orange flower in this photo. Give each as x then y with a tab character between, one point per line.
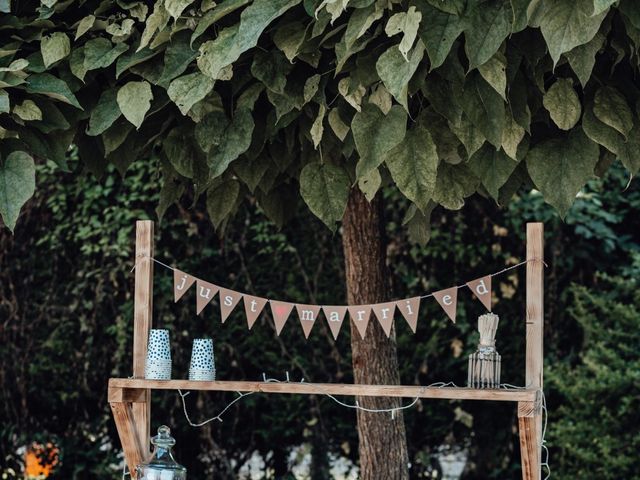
40	461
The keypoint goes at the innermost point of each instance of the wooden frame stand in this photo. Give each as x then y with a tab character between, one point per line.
130	398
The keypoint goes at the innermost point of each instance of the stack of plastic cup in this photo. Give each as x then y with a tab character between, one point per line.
202	367
158	364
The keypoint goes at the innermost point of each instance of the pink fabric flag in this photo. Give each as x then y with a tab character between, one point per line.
280	312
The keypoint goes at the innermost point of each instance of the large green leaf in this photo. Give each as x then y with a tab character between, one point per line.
54	48
494	71
219	11
176	7
359	22
561	167
47	84
563	104
438	31
221	199
325	189
485	108
271	68
100	53
489	23
217	54
611	108
188	90
395	71
177	57
493	168
4	102
234	141
628	151
17	184
156	22
28	111
406	23
134	100
105	113
375	134
600	6
453	185
414	166
85	25
184	156
565	24
583	57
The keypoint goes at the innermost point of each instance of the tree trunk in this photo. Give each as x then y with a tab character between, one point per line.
382	440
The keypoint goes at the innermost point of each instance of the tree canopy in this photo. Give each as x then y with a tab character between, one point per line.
443	99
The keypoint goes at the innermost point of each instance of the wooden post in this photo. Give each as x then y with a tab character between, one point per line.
142	317
126	425
530	418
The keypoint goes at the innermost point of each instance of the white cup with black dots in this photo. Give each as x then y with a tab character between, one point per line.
202	367
158	362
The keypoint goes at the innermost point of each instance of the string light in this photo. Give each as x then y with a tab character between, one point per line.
356	406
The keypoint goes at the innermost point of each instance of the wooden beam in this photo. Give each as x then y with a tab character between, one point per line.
143	315
530	420
129	395
529	449
125	423
405	391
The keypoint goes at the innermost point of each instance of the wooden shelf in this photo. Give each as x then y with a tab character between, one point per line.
406	391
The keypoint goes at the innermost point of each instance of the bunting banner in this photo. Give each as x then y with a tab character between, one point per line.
384	313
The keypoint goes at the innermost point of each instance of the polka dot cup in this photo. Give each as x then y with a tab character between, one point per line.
158	362
202	365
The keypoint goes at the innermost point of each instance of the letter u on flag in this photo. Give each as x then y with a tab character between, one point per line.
448	300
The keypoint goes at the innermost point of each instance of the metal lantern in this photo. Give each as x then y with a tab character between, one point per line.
485	363
162	465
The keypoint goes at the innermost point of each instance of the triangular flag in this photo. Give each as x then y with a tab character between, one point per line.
228	301
448	300
384	312
205	292
307	315
253	308
181	283
280	312
481	288
335	317
360	316
409	308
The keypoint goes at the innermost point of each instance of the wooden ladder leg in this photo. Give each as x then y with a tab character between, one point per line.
143	317
529	413
530	429
123	416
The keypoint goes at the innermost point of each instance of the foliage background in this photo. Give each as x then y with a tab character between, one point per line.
66	309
